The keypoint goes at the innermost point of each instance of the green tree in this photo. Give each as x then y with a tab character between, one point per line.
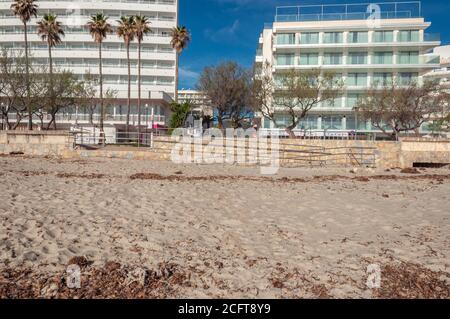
180	40
25	10
99	28
65	94
50	30
13	88
126	30
228	86
180	112
142	28
398	108
293	93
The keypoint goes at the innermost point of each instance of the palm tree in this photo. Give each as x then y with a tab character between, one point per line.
99	29
180	40
126	31
50	31
142	27
25	10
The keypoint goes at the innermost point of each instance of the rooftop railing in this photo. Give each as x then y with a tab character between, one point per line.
350	11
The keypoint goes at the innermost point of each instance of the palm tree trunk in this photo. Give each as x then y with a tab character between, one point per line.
139	88
129	88
102	133
52	91
27	79
176	78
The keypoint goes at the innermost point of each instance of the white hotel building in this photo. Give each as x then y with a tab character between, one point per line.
340	38
79	53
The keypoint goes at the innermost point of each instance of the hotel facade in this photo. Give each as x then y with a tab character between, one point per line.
362	44
79	53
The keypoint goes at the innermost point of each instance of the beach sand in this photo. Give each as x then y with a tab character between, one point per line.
198	231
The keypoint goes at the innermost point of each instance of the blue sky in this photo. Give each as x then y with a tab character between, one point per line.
229	29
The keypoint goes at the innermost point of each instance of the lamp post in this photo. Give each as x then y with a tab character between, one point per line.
146	123
356	121
153	121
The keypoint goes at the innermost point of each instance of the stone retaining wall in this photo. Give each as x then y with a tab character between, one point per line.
35	143
387	154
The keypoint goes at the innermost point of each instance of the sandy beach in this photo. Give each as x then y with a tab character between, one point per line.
198	231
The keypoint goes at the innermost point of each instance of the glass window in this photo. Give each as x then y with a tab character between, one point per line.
408	78
357	58
309	38
350	123
334	103
409	57
332	58
352	99
382	58
308	123
309	59
282	120
286	38
383	36
332	37
332	122
285	59
382	79
357	79
358	37
337	79
408	36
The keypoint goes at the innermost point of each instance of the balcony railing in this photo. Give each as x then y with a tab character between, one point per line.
431	37
332	12
162	2
111	118
286	61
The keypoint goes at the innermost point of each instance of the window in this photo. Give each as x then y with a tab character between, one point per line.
309	59
357	79
357	58
352	99
308	123
282	120
358	37
286	38
336	80
350	123
410	57
382	58
285	59
333	103
332	58
382	79
332	122
309	38
408	36
332	37
408	78
383	36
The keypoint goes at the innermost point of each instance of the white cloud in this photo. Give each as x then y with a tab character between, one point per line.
188	78
223	34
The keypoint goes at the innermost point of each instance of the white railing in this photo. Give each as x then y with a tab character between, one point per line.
108	119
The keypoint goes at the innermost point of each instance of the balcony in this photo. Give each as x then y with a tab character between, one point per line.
358	62
337	12
432	37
